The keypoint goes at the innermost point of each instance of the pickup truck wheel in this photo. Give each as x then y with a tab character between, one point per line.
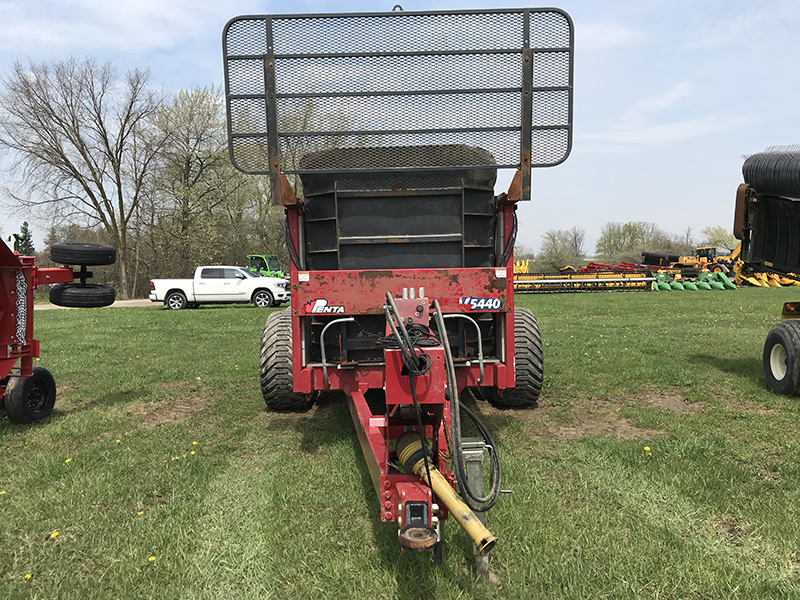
276	366
83	254
76	295
529	364
263	299
176	301
30	399
782	358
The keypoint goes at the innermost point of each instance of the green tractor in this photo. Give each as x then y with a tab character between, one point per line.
266	265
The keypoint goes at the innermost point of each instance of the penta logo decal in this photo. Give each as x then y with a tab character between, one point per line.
320	307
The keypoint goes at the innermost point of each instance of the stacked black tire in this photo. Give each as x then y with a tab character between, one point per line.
81	294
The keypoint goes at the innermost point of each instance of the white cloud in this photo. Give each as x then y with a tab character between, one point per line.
590	37
125	25
647	121
649	134
760	25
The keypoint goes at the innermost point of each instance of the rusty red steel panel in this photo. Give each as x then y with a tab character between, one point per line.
429	388
364	292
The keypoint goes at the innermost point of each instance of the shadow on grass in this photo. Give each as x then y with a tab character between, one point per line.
748	367
121	397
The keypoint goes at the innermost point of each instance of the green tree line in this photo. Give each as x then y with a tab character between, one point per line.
619	242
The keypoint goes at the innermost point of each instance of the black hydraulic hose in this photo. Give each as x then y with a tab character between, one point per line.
412	362
511	240
476	503
495	466
290	246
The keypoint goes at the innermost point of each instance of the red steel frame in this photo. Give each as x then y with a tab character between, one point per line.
17	352
362	292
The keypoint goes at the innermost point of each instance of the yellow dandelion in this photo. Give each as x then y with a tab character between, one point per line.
69	459
192	452
152	558
54	535
27	575
194	443
119	441
2	492
141	512
647	448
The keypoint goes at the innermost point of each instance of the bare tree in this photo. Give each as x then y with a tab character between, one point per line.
627	241
561	247
719	237
82	143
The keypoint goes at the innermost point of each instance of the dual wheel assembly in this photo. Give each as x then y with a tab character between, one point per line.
79	294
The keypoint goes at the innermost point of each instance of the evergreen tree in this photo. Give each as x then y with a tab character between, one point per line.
26	240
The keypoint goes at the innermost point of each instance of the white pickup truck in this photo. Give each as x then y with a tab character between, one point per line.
220	285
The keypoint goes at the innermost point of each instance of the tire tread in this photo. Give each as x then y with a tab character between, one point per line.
275	366
529	364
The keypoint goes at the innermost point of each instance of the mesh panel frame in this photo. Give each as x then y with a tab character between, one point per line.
500	80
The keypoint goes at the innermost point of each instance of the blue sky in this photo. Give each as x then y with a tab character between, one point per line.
668	95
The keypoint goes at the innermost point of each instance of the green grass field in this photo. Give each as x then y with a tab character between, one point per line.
657	465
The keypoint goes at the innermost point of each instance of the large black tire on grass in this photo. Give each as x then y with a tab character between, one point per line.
529	364
75	295
83	254
276	365
30	399
782	358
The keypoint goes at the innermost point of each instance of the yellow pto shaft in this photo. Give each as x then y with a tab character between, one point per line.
409	449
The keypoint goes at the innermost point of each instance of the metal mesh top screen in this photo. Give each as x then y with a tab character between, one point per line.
500	80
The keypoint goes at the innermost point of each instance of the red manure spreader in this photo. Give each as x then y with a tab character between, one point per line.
392	127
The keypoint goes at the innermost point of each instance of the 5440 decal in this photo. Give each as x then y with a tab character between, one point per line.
481	303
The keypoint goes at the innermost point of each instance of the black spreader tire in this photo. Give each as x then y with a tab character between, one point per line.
276	366
83	254
782	358
529	364
30	399
75	295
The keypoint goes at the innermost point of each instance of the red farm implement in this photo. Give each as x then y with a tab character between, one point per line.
28	392
393	127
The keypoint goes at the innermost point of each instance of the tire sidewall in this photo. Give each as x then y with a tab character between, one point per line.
76	295
19	389
786	334
183	303
70	253
270	299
